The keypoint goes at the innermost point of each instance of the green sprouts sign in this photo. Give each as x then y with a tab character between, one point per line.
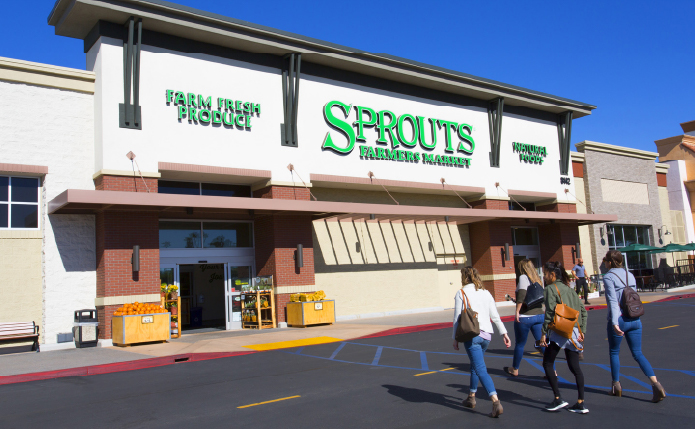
401	135
199	109
530	154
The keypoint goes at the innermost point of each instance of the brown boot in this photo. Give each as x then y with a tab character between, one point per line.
496	409
617	390
659	392
469	402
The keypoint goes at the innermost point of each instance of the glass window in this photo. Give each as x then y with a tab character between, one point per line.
179	188
4	188
517	206
643	235
178	235
226	234
24	216
4	216
630	234
219	190
25	190
20	207
525	236
166	276
618	236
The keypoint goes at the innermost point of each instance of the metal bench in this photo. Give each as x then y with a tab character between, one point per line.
20	331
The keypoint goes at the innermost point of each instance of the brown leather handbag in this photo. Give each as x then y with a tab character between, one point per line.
468	327
565	318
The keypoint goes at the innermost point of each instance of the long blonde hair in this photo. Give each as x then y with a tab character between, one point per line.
526	267
471	275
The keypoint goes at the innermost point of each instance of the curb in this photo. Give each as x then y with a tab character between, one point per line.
118	366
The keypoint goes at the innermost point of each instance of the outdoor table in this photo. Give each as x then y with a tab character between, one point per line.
643	280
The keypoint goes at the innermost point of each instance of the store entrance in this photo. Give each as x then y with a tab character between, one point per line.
210	293
525	242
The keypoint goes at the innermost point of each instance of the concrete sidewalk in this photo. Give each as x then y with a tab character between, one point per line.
238	341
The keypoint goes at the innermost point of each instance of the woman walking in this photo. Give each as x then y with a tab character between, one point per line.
481	302
526	319
557	291
621	325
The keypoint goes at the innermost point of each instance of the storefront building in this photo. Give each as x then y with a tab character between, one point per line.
629	183
678	152
226	150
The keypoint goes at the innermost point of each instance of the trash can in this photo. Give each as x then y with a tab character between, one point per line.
196	317
86	328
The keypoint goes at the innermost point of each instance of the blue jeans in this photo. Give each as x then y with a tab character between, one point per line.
521	330
475	350
633	335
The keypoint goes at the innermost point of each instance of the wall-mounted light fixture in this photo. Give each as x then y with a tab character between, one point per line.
299	256
372	217
446	219
358	247
577	251
605	229
135	259
506	251
663	231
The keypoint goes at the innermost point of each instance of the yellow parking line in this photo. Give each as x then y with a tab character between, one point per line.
434	372
666	327
293	343
535	353
268	402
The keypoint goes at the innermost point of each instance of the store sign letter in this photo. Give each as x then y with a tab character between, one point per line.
199	109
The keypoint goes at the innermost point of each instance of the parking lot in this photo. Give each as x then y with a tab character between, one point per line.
408	380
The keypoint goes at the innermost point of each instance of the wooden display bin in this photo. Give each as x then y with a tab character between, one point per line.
128	330
308	313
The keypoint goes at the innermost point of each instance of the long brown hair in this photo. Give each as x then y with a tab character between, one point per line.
471	275
526	267
615	258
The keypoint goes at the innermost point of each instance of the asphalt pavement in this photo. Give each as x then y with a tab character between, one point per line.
397	381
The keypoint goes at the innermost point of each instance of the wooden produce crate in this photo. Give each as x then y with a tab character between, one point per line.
128	330
309	313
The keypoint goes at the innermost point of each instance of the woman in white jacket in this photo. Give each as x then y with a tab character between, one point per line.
483	304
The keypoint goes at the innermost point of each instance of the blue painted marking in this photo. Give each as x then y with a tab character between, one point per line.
423	361
377	356
540	368
633	379
663	369
299	350
335	353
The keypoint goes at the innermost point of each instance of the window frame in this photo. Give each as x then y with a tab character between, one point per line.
10	203
611	231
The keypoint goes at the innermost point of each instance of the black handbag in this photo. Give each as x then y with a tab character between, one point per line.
534	296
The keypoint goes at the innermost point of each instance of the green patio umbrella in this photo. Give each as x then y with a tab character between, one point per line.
638	248
671	248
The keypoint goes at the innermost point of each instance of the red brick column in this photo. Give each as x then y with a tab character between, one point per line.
276	238
490	204
558	208
557	240
487	255
125	183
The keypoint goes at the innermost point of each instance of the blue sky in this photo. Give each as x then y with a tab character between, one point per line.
635	60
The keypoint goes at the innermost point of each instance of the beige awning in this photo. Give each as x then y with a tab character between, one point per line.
77	201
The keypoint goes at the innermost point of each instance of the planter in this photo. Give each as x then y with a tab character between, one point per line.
173	325
174	311
140	328
310	313
173	295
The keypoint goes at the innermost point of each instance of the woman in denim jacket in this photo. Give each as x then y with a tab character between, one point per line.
619	325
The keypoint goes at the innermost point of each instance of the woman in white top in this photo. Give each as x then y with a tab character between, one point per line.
483	304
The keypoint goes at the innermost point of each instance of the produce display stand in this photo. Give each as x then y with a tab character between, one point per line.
140	328
174	318
307	313
253	315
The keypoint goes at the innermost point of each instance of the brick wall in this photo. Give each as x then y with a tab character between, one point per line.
487	246
116	234
125	184
490	204
283	193
276	238
557	242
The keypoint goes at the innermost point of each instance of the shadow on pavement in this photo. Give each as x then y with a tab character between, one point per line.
418	395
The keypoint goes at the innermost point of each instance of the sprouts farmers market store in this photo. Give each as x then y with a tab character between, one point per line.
226	151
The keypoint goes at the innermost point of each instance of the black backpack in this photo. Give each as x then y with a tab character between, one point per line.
631	304
534	296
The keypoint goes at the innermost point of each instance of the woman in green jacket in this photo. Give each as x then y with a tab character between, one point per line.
557	291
